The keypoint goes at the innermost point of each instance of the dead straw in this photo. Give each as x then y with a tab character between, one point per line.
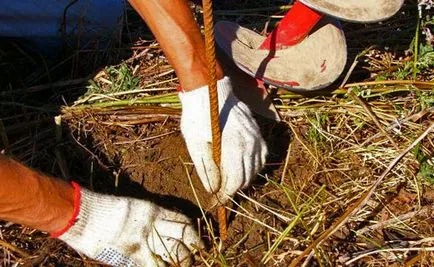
431	249
397	219
373	117
13	248
61	161
365	106
357	206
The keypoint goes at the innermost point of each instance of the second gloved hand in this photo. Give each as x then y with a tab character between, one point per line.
243	149
122	231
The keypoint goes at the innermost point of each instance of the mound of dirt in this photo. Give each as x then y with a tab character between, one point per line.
164	169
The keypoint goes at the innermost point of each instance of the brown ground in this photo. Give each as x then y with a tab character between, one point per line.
129	152
157	168
162	169
155	157
161	166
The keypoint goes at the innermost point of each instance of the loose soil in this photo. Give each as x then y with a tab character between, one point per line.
155	158
164	169
150	161
145	157
161	167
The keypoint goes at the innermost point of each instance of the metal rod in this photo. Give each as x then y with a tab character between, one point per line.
213	98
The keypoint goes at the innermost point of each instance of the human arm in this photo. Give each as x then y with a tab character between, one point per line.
33	199
115	230
173	24
243	148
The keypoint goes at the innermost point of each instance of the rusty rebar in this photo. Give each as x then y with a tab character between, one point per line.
213	100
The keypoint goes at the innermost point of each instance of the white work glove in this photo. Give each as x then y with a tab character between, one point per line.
122	231
243	148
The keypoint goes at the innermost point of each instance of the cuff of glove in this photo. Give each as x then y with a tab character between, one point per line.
197	96
71	222
100	219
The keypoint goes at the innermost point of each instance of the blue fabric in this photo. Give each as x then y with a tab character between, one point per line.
41	21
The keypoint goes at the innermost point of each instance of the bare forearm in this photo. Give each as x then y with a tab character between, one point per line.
33	199
174	26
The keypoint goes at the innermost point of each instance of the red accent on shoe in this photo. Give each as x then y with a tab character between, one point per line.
290	83
293	28
260	84
71	222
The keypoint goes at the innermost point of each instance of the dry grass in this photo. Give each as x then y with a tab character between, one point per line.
341	143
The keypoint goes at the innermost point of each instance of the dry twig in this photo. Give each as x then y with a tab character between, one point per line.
357	206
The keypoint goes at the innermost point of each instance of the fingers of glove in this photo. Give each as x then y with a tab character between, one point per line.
142	256
249	123
250	170
256	148
240	147
233	168
179	227
206	168
242	159
256	161
264	152
169	249
145	257
173	238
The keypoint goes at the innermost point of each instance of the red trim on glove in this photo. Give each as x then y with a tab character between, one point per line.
71	222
